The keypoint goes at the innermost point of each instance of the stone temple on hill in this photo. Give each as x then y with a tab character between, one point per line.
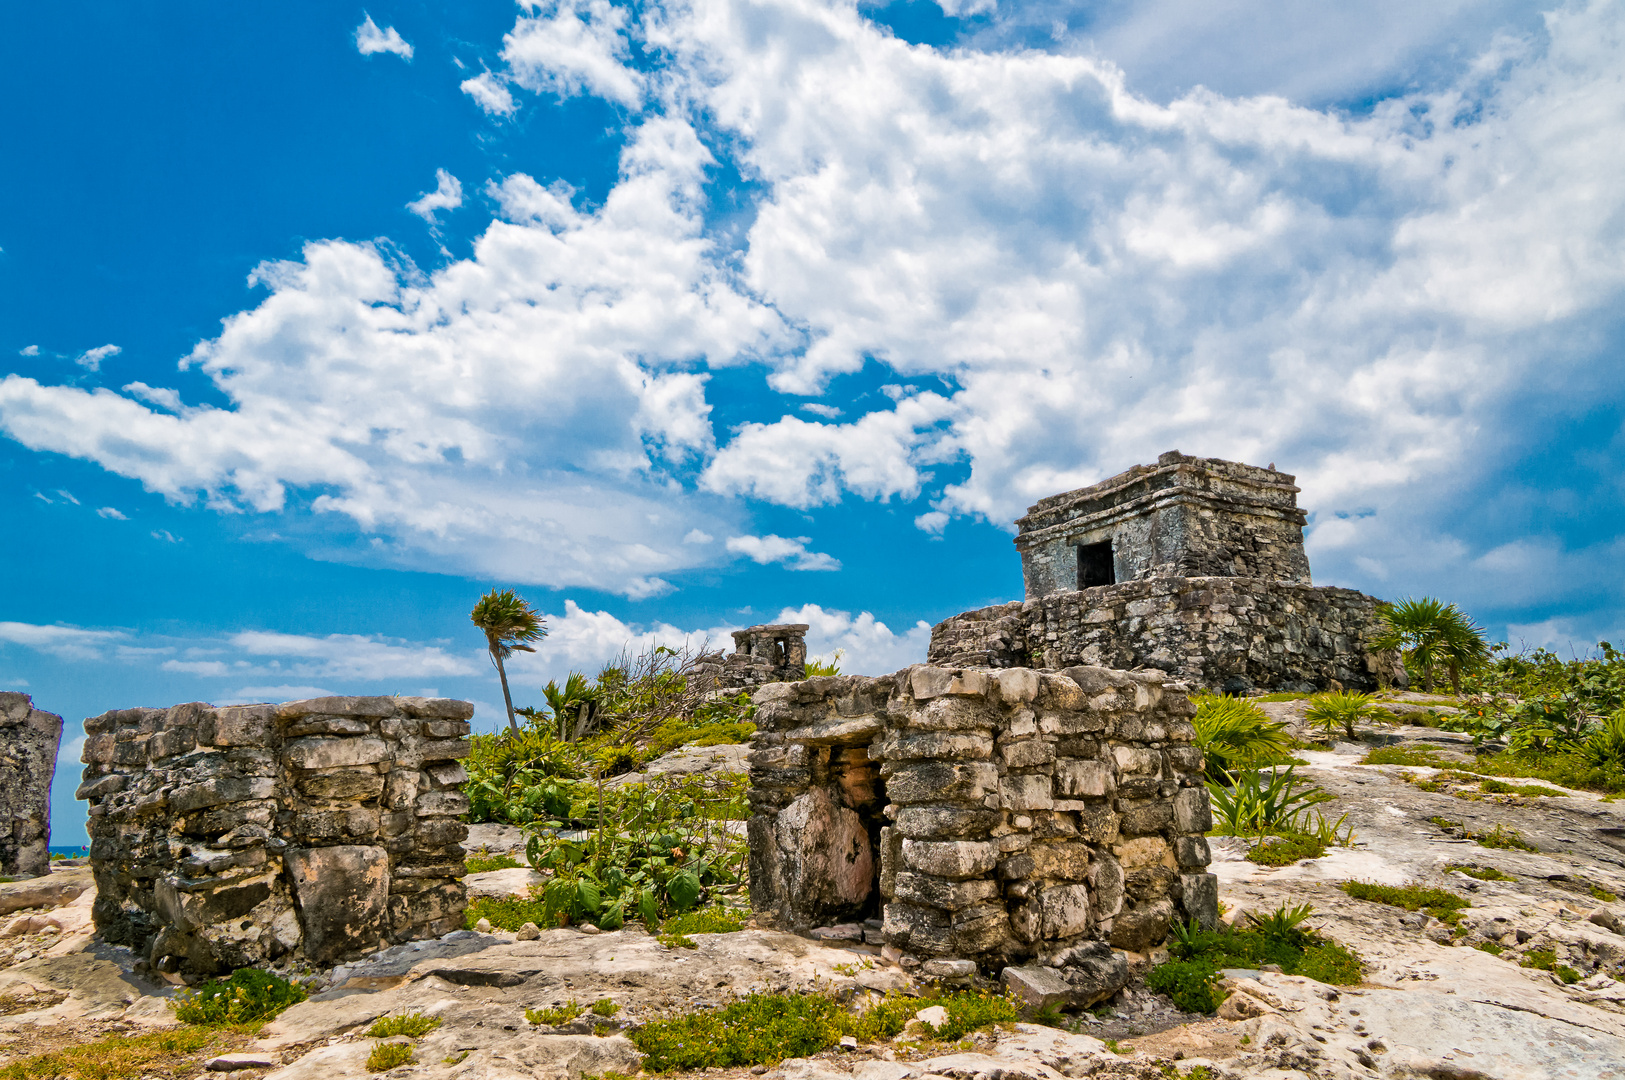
1193	566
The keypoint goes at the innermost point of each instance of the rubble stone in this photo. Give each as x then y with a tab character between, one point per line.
224	838
28	744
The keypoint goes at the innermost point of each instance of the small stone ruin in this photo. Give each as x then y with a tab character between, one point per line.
1194	566
315	830
28	744
987	817
774	652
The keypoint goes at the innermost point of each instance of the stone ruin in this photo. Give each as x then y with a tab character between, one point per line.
772	652
28	744
315	830
1193	566
1011	818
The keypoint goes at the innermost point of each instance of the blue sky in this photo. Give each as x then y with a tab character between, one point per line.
317	321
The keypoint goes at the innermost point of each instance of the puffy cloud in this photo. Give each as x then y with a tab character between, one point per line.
792	551
447	195
569	47
489	93
67	642
370	39
91	359
867	645
253	695
28	350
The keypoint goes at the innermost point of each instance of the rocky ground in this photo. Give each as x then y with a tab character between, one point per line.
1432	1006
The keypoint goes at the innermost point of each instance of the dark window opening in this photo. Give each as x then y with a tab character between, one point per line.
1095	565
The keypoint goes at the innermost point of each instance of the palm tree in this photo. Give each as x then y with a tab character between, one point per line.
1429	632
509	622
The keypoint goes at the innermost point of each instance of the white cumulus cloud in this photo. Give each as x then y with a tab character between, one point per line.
792	551
370	39
489	93
569	47
67	642
447	195
91	359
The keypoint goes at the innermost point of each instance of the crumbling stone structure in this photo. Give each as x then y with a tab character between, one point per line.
772	652
318	829
28	744
1193	566
994	816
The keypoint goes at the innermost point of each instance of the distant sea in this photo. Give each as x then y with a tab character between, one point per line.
70	852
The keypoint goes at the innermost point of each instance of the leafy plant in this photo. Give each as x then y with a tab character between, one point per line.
247	996
970	1010
1330	713
1234	733
1283	923
412	1025
556	1015
605	1007
509	625
386	1056
1248	804
1503	837
677	941
1278	938
1192	984
1430	633
817	665
1604	747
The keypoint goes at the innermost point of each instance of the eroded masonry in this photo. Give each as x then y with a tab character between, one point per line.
224	838
28	743
990	816
1193	566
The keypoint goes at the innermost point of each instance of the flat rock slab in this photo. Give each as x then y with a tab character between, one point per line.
52	890
515	881
690	761
234	1062
496	839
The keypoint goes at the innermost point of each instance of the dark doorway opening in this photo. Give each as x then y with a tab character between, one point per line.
1095	565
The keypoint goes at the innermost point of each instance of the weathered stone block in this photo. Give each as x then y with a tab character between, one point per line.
943	822
442	804
343	893
953	859
1027	753
1084	779
1063	911
363	782
334	753
1192	812
936	782
1026	792
940	893
1199	897
226	789
1137	929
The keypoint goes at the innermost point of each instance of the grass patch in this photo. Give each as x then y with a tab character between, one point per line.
1276	938
605	1007
712	920
1567	770
764	1029
248	996
1504	838
118	1057
1482	873
484	863
1282	850
1490	947
1546	960
1600	893
556	1016
507	912
1501	787
412	1025
677	941
1442	904
386	1056
1404	755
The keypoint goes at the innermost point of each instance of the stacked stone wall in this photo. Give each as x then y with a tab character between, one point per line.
1220	633
1014	813
317	829
28	744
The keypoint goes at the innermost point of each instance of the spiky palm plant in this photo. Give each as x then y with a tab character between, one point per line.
1234	732
1344	709
1429	632
509	623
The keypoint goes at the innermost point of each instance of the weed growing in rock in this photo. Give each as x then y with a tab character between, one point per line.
411	1025
1546	960
1501	787
605	1007
1192	984
1490	947
1276	938
1442	904
386	1056
248	996
555	1016
118	1057
1600	893
677	941
1504	838
1482	873
505	912
971	1010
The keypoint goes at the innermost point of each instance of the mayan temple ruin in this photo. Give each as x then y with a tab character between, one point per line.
1192	566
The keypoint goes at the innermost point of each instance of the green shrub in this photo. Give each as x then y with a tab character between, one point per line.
1285	850
1234	733
759	1029
1340	712
1276	938
1490	947
248	996
605	1007
555	1016
177	1052
1332	963
1192	984
412	1025
1604	747
970	1010
1251	805
886	1018
677	941
818	665
1600	893
386	1056
1442	904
